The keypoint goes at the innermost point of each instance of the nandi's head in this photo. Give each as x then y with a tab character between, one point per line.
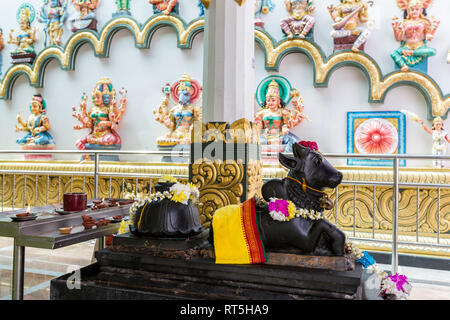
312	166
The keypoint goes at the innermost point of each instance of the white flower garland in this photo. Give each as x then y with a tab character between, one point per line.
309	214
178	192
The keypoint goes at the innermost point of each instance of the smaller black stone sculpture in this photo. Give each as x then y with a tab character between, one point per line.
166	218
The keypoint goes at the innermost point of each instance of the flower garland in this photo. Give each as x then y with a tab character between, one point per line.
285	210
396	285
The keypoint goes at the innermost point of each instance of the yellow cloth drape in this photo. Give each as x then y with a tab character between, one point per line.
236	237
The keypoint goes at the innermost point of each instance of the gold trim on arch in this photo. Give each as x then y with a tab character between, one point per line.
379	86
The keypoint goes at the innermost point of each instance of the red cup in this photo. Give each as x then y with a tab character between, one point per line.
75	201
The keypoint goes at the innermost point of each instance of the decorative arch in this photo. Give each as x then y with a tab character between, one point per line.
379	85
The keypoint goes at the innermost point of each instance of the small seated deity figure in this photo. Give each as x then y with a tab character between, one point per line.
440	139
300	21
2	46
36	127
86	18
349	17
413	33
53	17
275	119
262	7
165	6
123	8
26	37
179	119
102	119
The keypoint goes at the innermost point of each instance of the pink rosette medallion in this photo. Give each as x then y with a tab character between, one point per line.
376	136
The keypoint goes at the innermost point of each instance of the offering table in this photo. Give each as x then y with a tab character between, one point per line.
44	233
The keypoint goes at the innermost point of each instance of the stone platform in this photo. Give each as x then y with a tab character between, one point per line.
145	268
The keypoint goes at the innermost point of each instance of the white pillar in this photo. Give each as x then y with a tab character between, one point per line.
228	67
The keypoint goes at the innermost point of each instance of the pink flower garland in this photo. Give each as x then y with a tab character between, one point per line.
399	280
280	206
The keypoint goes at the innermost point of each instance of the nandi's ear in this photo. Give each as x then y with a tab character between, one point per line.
286	161
300	151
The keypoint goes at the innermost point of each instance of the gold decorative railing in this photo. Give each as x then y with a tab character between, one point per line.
365	206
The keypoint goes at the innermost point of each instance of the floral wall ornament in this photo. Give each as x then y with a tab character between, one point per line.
413	33
376	136
375	133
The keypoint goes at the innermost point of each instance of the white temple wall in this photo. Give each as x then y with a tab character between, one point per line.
143	72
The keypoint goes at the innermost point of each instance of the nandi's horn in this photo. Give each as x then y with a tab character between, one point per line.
300	151
288	162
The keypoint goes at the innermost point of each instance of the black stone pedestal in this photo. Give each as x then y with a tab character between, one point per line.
145	268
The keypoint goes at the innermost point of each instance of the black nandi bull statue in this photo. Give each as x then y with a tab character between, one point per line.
308	176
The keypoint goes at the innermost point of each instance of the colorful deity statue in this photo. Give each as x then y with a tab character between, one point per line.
123	8
275	120
102	119
86	18
2	46
36	127
26	37
440	139
349	17
179	119
262	7
165	6
53	14
300	20
413	33
439	135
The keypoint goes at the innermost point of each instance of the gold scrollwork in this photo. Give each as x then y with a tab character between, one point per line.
413	211
254	176
41	190
219	183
